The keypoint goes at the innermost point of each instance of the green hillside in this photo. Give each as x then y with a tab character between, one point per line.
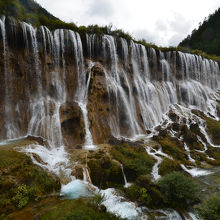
31	12
207	36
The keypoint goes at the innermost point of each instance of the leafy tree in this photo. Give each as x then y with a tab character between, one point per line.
177	189
207	36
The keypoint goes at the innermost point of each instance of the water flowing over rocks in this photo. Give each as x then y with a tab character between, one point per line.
72	94
125	88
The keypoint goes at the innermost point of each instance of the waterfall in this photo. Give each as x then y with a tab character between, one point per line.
188	153
126	185
48	72
9	127
123	104
45	119
154	153
142	85
81	96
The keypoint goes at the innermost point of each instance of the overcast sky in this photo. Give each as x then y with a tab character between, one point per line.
163	22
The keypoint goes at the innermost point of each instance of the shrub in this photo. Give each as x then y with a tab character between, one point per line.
177	189
97	200
145	182
210	208
22	196
137	193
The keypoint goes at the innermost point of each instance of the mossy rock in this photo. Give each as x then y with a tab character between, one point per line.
168	166
105	173
190	136
213	127
173	147
135	160
214	153
22	182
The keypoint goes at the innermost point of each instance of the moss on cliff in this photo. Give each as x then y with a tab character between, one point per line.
213	126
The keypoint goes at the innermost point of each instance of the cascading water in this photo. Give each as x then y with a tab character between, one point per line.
155	154
188	153
123	105
9	128
81	96
141	84
126	185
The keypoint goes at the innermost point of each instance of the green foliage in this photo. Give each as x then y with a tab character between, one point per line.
207	37
210	208
97	200
145	192
177	189
26	10
168	166
137	193
135	160
23	182
22	196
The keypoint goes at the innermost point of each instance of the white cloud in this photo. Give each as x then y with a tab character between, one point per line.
162	22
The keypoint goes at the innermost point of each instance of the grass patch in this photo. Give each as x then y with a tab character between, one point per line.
213	127
53	208
145	192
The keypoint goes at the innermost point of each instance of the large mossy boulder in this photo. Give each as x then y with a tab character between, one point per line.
173	147
135	160
105	173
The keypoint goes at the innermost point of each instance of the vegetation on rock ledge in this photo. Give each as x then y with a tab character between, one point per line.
21	182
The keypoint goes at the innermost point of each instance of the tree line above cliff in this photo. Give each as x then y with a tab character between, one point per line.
31	12
207	36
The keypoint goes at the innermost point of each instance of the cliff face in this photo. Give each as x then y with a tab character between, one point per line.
80	90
